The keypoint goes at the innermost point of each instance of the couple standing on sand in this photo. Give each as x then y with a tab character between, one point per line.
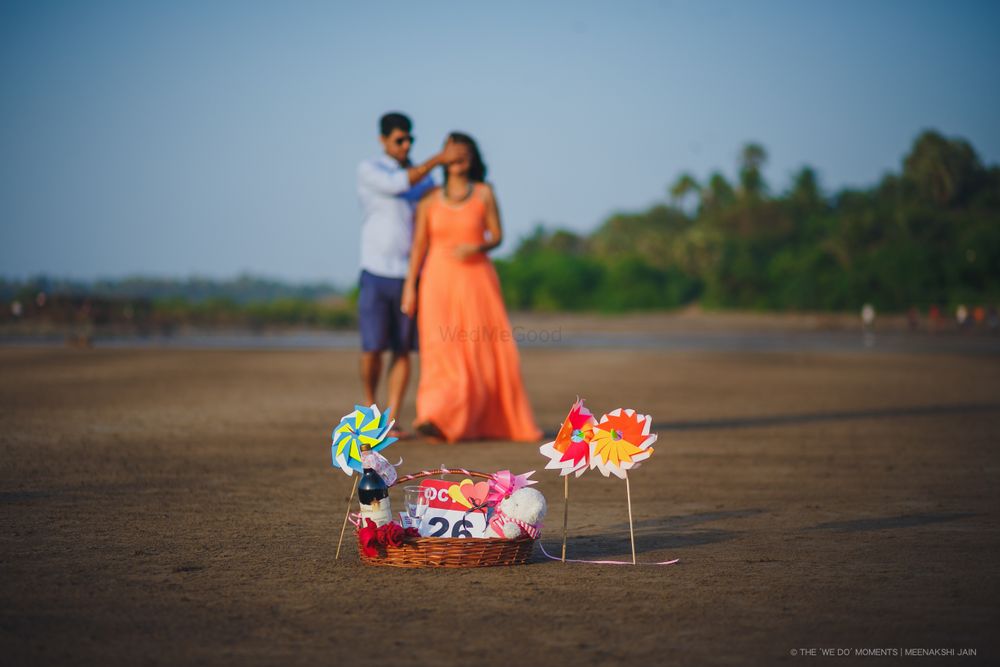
423	262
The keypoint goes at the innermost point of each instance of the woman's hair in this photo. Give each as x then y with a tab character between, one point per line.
477	169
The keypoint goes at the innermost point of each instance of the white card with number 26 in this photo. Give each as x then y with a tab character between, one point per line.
446	517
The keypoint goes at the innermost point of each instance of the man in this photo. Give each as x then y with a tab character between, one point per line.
389	188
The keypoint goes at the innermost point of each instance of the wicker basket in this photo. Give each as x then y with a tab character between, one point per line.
452	551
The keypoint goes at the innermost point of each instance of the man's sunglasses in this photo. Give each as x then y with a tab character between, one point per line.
399	141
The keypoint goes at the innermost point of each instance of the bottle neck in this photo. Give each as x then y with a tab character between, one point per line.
366	459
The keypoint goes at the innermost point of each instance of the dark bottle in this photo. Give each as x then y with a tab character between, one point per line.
373	492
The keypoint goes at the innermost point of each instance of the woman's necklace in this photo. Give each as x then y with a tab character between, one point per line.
468	193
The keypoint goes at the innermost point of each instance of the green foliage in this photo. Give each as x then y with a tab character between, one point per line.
149	304
942	171
243	289
288	311
930	234
547	279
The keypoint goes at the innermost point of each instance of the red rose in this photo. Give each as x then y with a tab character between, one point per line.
393	534
366	537
411	532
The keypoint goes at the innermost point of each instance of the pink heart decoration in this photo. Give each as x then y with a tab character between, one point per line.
456	494
476	493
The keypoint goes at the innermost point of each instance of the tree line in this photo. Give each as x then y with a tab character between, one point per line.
241	290
927	235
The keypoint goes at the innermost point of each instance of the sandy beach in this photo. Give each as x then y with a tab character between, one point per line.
169	506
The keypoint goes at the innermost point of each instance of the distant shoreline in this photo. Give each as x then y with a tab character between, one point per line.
691	330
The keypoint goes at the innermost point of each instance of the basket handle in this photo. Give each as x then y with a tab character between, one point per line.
442	471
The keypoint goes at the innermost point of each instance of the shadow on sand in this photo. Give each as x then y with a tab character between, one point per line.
656	534
837	415
889	522
814	417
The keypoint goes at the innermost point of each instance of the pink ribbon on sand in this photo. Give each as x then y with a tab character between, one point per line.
605	562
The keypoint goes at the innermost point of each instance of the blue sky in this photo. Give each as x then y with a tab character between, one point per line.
179	138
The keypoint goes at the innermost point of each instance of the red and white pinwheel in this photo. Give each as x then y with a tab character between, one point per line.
570	452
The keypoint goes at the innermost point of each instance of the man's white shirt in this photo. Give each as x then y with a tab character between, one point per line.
387	205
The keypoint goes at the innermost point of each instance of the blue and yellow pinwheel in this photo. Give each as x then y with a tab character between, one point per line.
363	426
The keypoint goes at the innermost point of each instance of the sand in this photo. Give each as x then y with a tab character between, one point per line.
178	507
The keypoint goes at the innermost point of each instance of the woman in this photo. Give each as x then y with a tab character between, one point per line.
470	379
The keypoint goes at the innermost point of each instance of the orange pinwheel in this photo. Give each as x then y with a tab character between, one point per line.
621	439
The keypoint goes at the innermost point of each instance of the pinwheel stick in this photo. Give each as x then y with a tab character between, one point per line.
631	533
347	513
565	513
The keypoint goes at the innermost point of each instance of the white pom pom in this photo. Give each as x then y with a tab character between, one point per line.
527	505
511	531
509	505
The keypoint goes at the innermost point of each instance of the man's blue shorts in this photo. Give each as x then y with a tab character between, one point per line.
383	325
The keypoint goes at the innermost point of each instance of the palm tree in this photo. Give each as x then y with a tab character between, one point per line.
752	159
682	187
942	169
805	188
719	192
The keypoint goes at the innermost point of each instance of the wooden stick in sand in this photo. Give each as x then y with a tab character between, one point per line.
347	514
565	513
631	533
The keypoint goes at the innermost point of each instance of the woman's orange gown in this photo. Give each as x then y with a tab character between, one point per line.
470	377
